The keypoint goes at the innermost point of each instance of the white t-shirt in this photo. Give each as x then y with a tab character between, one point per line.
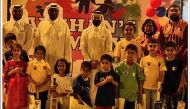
152	66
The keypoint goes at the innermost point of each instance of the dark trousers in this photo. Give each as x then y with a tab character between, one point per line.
43	97
129	104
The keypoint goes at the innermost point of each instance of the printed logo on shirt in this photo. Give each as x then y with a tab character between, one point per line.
126	73
102	79
44	67
35	67
148	63
174	68
159	64
122	47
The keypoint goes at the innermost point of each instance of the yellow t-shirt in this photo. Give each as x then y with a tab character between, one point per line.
120	49
152	66
38	70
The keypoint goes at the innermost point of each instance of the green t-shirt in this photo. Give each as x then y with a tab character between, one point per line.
129	77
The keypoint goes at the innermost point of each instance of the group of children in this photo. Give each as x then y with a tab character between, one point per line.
128	79
128	76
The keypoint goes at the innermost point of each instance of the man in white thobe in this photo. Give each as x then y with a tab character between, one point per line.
54	34
95	41
19	25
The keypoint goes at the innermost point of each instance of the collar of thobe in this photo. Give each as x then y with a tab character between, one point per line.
17	23
53	22
96	28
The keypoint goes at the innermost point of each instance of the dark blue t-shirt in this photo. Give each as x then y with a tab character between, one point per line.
82	87
172	76
105	94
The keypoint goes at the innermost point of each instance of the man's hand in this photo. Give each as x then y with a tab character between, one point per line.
80	101
117	104
55	94
95	64
140	99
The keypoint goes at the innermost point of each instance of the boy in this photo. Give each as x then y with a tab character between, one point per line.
171	77
9	40
81	85
154	67
131	78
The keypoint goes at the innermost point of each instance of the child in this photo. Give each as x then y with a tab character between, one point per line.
63	83
154	67
106	80
81	85
129	29
9	40
172	76
15	73
39	74
131	78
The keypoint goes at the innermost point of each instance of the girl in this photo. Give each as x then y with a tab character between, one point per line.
39	74
106	80
63	82
129	29
15	73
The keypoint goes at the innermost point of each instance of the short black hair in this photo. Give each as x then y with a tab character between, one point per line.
131	24
173	5
86	64
107	57
40	47
9	36
147	21
152	40
132	47
66	63
170	44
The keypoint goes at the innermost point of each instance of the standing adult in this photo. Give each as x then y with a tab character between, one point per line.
95	41
54	34
175	30
19	25
149	30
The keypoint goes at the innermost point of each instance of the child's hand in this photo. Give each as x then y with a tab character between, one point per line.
94	63
53	87
18	70
109	78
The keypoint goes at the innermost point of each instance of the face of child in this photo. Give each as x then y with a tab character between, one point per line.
170	52
39	54
10	43
106	65
130	54
85	72
128	31
61	67
152	48
149	28
16	51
